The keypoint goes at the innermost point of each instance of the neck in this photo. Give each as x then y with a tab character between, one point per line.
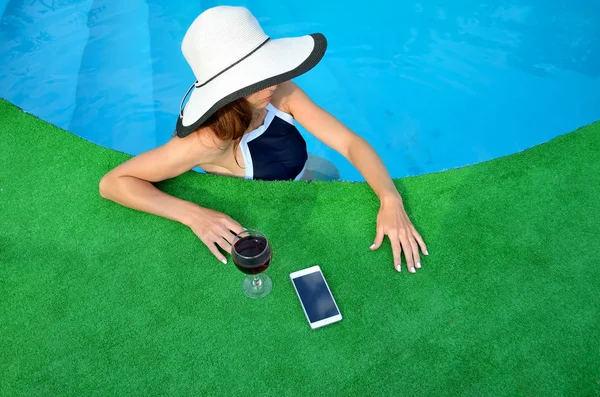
257	113
258	117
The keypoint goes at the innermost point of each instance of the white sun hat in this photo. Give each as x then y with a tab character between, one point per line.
232	57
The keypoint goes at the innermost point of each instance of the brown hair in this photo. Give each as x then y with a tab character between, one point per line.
230	122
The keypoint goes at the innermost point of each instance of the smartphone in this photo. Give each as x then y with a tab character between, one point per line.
315	297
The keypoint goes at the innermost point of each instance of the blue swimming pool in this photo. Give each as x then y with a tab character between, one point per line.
431	84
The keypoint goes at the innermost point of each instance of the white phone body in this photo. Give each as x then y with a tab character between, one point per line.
315	297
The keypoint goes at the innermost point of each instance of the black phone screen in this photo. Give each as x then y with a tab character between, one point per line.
315	296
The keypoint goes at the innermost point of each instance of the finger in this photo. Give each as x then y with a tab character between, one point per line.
420	241
396	250
410	264
227	235
213	248
378	239
415	251
233	226
224	245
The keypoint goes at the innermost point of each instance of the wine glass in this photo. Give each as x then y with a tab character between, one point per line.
251	253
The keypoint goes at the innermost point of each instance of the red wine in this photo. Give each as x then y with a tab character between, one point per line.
250	256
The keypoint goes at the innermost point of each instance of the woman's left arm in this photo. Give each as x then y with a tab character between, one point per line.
392	219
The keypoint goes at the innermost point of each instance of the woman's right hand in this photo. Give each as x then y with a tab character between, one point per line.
131	184
214	229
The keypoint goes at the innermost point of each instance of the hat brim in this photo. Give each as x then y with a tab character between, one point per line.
275	62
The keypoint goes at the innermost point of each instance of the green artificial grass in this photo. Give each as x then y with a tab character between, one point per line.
98	299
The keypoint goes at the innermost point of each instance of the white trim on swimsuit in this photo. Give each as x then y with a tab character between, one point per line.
272	111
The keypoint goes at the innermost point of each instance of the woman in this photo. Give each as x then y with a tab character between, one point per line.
239	122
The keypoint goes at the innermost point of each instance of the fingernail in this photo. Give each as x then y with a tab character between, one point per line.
224	261
426	253
399	268
371	247
412	269
418	265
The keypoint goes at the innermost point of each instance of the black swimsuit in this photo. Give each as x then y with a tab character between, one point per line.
275	150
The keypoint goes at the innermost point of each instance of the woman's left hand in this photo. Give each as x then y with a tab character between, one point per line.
393	221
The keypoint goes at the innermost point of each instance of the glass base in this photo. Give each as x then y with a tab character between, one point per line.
257	286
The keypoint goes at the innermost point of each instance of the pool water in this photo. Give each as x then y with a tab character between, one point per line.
431	85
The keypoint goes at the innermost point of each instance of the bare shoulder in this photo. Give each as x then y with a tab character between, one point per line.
287	95
206	142
202	144
316	120
173	158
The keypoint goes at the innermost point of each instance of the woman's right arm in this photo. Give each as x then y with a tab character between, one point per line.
130	184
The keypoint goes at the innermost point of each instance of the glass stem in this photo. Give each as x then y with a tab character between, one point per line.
256	281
